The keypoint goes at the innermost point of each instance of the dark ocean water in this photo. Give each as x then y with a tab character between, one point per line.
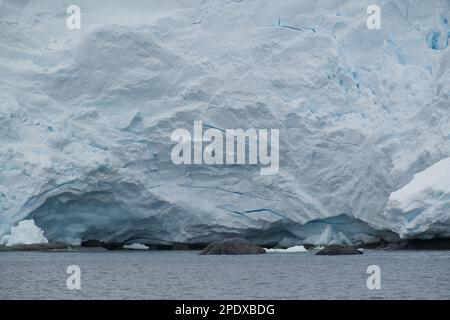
187	275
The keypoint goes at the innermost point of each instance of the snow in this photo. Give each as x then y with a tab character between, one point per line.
26	232
86	118
422	207
135	246
288	250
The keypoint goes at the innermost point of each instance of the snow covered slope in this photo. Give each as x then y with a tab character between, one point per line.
86	115
422	207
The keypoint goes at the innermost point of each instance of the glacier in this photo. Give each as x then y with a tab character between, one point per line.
86	118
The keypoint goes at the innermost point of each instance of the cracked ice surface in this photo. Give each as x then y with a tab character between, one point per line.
86	116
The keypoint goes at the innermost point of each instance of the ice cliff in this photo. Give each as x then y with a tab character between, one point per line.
86	118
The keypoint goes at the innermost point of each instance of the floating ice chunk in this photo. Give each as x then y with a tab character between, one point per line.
135	246
26	233
288	250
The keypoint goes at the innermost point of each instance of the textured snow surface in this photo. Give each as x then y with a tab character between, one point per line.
26	232
422	207
86	117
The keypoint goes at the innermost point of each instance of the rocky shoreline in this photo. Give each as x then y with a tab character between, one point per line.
96	245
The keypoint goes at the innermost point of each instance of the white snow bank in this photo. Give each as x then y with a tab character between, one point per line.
422	207
135	246
288	250
26	233
436	177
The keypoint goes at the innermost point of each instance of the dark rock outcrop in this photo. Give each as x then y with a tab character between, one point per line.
100	244
37	247
232	246
92	244
418	244
180	246
335	250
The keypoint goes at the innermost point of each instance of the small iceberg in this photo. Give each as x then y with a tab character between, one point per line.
26	232
135	246
288	250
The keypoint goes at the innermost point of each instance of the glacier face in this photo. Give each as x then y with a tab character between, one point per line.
86	116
